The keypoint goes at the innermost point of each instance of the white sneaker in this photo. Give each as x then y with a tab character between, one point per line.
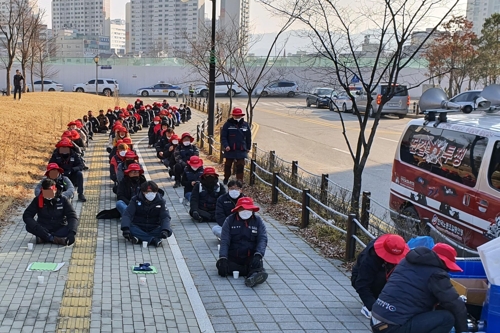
365	312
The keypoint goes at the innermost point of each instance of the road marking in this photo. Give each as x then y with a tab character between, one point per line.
342	151
389	140
280	132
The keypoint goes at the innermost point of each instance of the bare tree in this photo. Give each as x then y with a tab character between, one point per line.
44	47
333	28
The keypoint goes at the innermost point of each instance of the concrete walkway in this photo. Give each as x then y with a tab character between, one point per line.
96	290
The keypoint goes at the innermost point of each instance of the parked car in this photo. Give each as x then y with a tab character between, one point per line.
48	85
468	100
221	88
160	89
397	105
106	86
341	102
279	88
320	97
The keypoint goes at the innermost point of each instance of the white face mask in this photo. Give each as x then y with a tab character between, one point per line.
156	122
175	142
122	153
186	143
195	168
234	193
122	136
150	196
245	214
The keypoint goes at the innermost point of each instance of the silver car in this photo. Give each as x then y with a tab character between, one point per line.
279	88
397	105
467	100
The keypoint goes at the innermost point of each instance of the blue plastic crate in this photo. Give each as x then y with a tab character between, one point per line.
473	269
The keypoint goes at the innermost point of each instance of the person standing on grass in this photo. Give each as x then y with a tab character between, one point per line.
18	77
236	138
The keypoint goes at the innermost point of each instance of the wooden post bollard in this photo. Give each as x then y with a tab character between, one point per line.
252	172
323	196
274	189
306	201
365	209
350	242
271	160
210	143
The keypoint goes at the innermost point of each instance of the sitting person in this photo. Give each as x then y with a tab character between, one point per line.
167	154
146	217
225	204
204	196
192	174
67	159
56	220
118	158
182	154
64	186
374	266
164	140
419	296
129	187
243	244
129	158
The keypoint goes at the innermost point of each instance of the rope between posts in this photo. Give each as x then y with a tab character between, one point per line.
304	170
262	180
325	206
262	169
332	182
279	158
288	185
451	241
326	222
359	241
287	197
360	226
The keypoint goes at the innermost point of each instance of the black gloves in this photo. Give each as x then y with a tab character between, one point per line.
222	266
126	233
70	239
256	261
166	233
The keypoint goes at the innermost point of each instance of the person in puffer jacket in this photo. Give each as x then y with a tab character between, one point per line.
236	139
146	217
182	153
419	296
225	205
204	196
192	175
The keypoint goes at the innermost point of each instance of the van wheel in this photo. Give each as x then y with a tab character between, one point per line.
467	109
145	93
171	94
401	116
264	94
80	90
231	93
291	94
107	92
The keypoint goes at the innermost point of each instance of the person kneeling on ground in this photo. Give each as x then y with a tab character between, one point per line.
374	266
243	244
146	217
407	304
192	174
64	186
225	204
204	196
56	221
129	187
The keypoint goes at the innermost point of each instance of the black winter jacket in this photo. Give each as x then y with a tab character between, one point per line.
224	206
129	188
70	164
51	214
204	200
147	215
238	137
188	176
418	283
183	153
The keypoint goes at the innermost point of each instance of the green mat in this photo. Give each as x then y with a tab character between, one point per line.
152	271
45	266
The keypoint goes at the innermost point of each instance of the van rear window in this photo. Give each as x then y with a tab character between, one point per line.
453	155
494	170
398	90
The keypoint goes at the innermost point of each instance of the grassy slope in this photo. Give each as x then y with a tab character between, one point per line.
29	130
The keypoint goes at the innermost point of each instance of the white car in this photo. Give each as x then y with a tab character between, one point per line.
48	85
160	89
468	100
221	88
105	86
341	102
279	88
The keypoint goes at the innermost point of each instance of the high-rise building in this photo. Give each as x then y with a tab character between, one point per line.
117	36
128	27
88	17
479	10
235	14
159	28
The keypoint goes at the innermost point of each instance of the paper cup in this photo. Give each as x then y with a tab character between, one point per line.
40	279
145	245
142	281
30	246
181	200
173	177
236	274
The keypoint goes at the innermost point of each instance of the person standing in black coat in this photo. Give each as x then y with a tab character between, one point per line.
373	267
182	154
419	296
129	187
71	163
236	138
102	122
17	83
192	174
56	220
204	196
146	217
225	205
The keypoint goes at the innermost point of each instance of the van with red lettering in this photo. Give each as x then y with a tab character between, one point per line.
449	172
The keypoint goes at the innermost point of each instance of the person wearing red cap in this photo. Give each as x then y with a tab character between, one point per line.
236	138
153	128
204	196
191	175
164	140
67	134
373	267
146	218
419	296
63	184
119	157
167	155
182	153
56	220
129	158
138	103
72	164
129	186
243	244
120	133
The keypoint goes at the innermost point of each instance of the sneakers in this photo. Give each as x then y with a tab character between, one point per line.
59	240
157	242
177	184
196	216
365	312
81	197
255	279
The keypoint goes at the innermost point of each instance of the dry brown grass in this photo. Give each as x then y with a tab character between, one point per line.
29	130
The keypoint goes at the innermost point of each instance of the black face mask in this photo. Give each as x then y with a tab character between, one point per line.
65	155
209	181
127	163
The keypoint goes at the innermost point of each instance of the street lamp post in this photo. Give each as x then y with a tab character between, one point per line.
211	76
96	60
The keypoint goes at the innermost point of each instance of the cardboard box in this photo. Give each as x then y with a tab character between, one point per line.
474	289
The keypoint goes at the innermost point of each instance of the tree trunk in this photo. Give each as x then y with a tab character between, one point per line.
450	85
23	70
9	86
356	188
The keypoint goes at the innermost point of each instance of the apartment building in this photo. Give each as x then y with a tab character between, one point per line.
117	36
479	10
235	14
88	17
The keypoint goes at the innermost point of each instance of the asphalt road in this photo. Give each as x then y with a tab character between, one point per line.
314	138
